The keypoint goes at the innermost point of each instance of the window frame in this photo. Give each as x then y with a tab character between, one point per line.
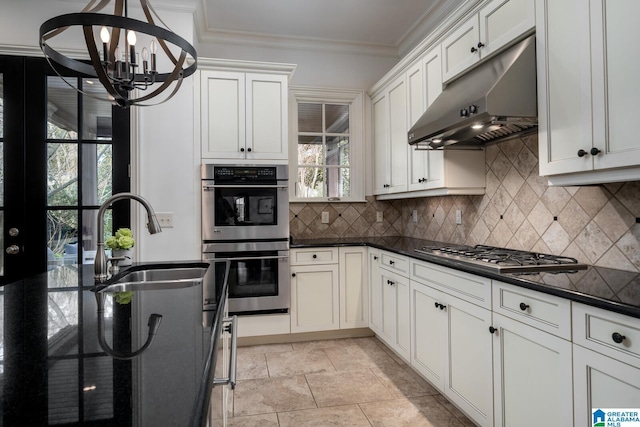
355	100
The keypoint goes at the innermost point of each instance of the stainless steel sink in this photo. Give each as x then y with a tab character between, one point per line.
155	277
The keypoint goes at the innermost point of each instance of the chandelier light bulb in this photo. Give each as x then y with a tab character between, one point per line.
153	47
131	38
145	54
104	35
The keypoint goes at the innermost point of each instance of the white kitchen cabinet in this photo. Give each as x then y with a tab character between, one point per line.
395	320
495	26
354	287
532	370
452	348
315	298
390	138
243	116
375	291
587	82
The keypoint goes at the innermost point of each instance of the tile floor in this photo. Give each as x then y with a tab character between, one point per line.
344	382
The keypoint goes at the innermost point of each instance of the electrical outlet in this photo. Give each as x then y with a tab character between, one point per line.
378	216
325	217
414	215
165	219
458	216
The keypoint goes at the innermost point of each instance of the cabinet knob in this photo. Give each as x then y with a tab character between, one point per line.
523	306
389	282
618	338
375	257
13	249
594	151
249	149
391	262
421	180
437	305
442	306
473	50
315	256
582	153
480	45
242	150
492	329
386	186
293	274
473	109
464	112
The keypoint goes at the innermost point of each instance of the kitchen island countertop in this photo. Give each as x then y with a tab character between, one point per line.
55	371
606	288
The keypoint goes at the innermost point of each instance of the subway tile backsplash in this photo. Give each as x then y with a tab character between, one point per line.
596	224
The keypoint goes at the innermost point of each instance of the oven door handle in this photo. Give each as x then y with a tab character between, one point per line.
248	258
243	187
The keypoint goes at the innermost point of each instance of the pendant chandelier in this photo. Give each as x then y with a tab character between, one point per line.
130	76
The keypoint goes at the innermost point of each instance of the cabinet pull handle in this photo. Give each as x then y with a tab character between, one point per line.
293	274
315	256
582	153
492	329
523	306
594	151
618	338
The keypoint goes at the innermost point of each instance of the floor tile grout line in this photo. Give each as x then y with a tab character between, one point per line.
311	391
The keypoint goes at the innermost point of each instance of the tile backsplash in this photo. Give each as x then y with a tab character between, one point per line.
595	224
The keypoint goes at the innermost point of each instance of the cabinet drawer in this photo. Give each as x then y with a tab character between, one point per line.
600	330
314	256
469	287
394	262
547	312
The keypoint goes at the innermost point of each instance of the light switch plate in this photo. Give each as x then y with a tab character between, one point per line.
325	217
378	216
414	215
165	219
458	216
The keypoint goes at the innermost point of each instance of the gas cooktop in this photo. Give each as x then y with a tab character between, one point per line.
504	260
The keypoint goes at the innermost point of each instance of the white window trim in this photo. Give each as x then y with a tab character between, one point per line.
355	99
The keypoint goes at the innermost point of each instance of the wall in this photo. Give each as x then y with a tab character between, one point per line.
596	224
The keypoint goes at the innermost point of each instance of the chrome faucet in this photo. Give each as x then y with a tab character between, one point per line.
101	262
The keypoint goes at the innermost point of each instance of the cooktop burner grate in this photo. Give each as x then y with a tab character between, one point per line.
504	259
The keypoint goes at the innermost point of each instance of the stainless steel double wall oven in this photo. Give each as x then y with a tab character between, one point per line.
245	219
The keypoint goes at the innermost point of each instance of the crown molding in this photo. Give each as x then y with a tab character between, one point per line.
246	66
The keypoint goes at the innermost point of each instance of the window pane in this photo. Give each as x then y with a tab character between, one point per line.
62	174
62	103
90	232
96	173
309	117
62	237
338	182
337	151
310	182
96	114
337	117
310	150
63	322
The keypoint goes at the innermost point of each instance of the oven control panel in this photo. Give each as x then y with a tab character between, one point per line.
249	173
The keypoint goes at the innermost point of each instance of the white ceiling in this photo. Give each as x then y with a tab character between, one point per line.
388	27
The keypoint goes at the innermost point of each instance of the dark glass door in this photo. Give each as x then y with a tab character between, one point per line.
250	278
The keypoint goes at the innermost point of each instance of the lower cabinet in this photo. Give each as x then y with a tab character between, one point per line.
375	291
395	319
601	382
452	348
314	298
532	370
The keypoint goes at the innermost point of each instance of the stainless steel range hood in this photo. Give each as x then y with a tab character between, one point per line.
491	102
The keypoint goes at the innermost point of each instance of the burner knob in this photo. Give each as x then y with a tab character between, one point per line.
523	306
618	338
492	329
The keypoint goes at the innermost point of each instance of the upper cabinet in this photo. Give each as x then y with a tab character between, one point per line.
497	24
587	87
244	115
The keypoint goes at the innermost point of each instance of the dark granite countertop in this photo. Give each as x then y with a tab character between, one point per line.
55	372
607	288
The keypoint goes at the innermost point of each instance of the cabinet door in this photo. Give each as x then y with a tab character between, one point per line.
398	135
375	291
564	86
469	376
389	302
601	382
267	117
616	85
381	177
354	288
502	21
222	114
460	49
428	332
424	84
403	318
314	298
530	366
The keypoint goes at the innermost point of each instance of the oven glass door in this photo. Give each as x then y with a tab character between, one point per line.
245	206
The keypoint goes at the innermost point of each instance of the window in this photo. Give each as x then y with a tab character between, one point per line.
326	161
